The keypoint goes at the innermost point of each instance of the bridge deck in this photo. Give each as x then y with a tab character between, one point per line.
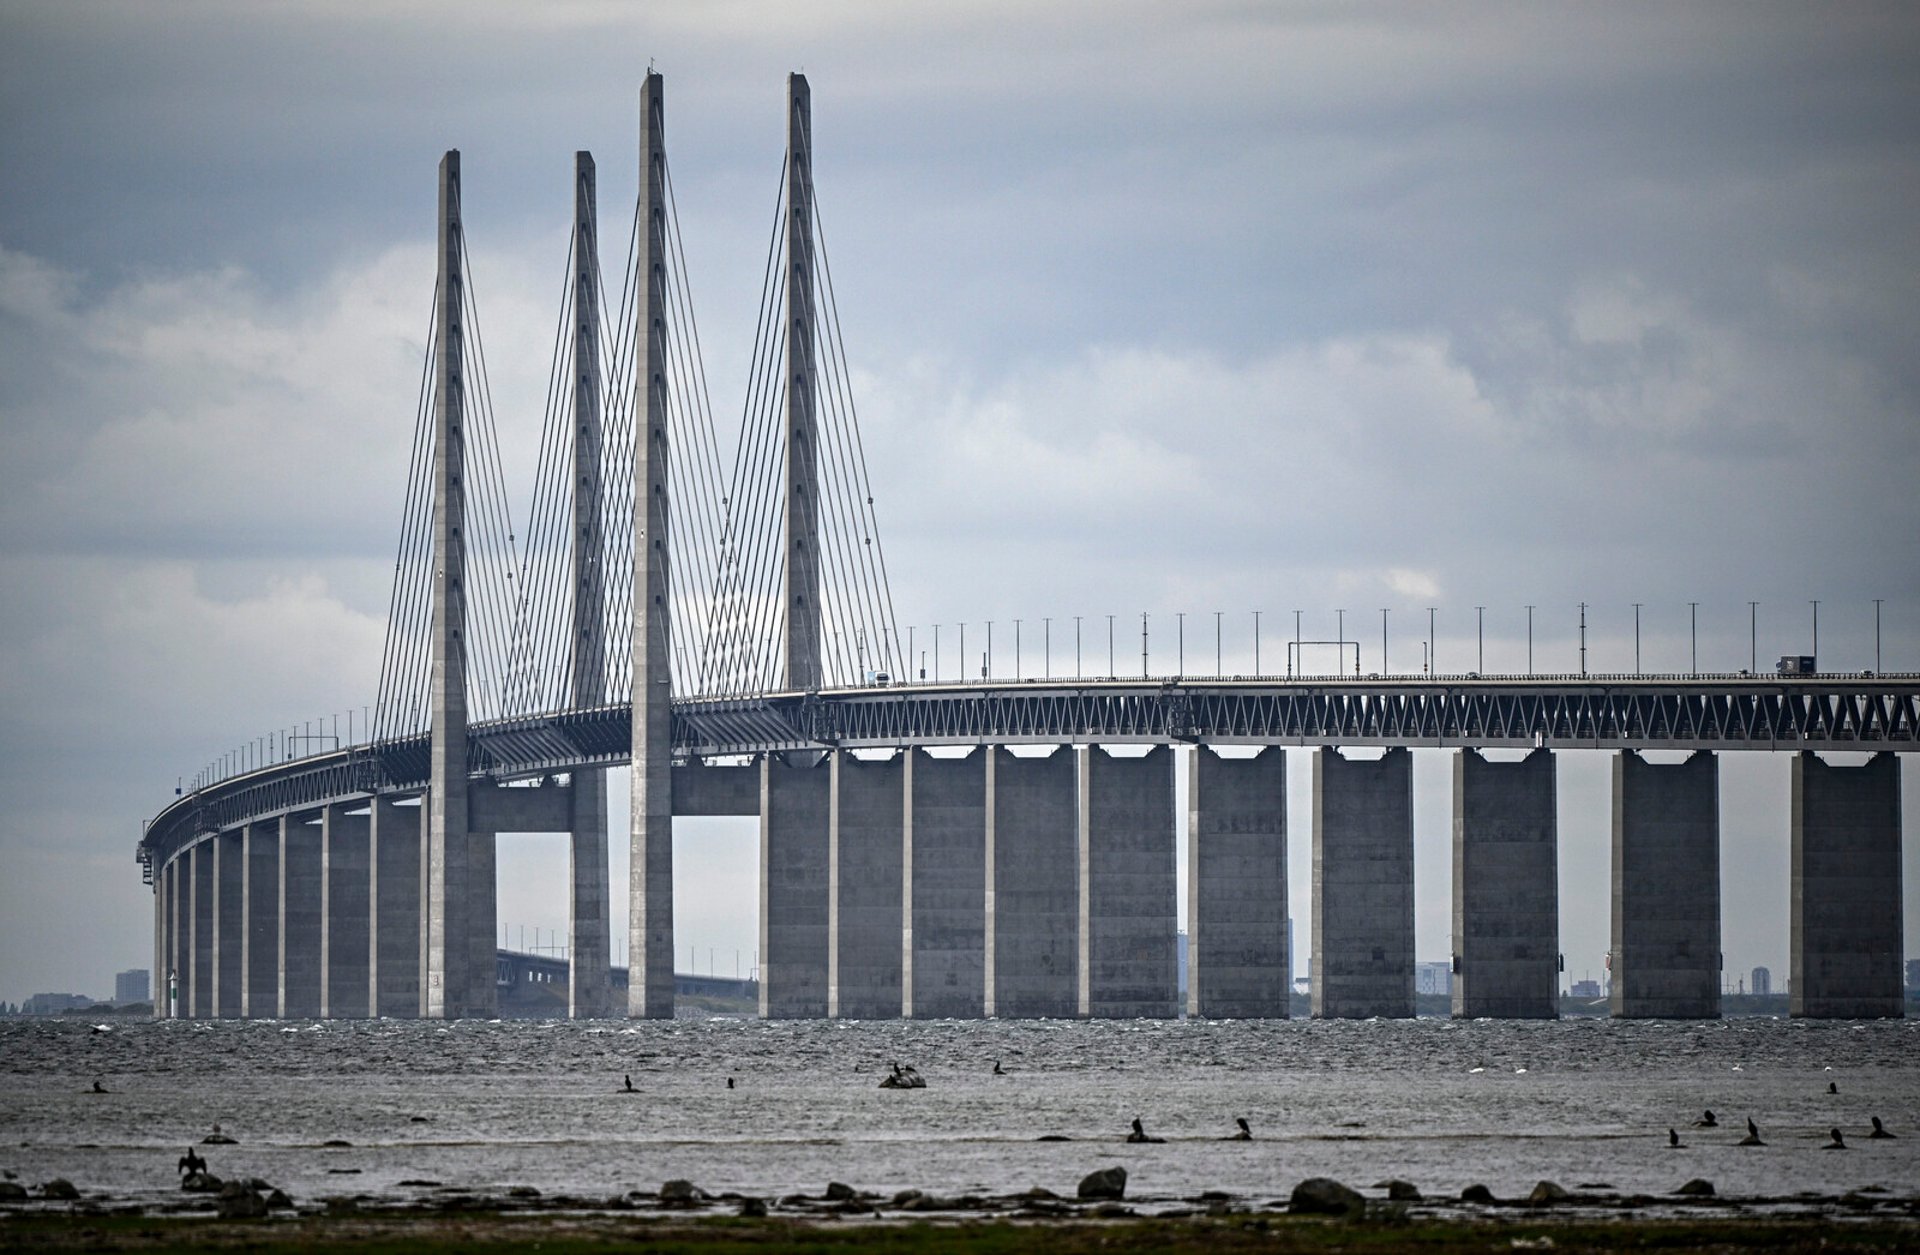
1738	712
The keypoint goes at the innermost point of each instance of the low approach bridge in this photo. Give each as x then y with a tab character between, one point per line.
361	881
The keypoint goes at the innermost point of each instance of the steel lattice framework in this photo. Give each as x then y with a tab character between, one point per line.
1624	712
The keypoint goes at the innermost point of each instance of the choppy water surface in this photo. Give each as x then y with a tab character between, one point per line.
1440	1103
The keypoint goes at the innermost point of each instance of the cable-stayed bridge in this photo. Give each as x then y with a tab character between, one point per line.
665	603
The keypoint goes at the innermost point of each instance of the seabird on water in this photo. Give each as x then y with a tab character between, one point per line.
1753	1134
1838	1142
1673	1140
1879	1131
1706	1122
1245	1134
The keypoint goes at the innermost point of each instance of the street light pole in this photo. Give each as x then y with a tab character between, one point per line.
1433	653
1583	638
1816	633
1143	644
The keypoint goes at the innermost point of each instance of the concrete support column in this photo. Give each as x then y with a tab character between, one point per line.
230	931
483	925
158	983
345	886
1128	897
1665	960
393	946
1362	885
260	920
943	852
203	930
1237	961
167	979
795	804
1032	861
299	904
589	921
1506	898
864	887
1846	931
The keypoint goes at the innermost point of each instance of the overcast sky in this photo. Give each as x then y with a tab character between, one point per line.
1167	308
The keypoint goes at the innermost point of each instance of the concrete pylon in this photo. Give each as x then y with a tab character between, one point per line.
448	949
650	870
589	977
802	590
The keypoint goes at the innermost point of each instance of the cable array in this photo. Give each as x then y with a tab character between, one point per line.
747	627
491	563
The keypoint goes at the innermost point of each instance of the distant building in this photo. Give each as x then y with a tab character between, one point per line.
132	985
54	1004
1586	989
1433	978
1762	982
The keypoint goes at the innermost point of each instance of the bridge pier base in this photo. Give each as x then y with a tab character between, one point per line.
1032	856
1846	926
865	918
202	931
164	914
299	905
1362	885
1237	961
795	807
229	923
1506	901
344	929
943	954
589	912
260	913
393	946
482	911
1666	888
1127	885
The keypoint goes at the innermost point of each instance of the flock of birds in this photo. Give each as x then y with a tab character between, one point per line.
1838	1140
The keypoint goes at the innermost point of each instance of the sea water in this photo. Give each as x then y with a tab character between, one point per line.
491	1106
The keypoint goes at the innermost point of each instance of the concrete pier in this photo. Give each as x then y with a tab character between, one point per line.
482	999
1033	898
589	919
1846	930
300	915
1127	886
1666	888
345	939
864	898
393	861
1506	898
260	911
943	953
795	810
229	934
203	930
1362	885
1237	961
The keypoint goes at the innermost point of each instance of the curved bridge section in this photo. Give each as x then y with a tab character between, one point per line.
1819	714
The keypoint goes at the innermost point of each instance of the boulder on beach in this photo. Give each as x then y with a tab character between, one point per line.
681	1193
277	1200
201	1182
240	1201
1104	1183
1699	1187
59	1188
1402	1191
1476	1194
1548	1192
839	1192
12	1191
1323	1196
